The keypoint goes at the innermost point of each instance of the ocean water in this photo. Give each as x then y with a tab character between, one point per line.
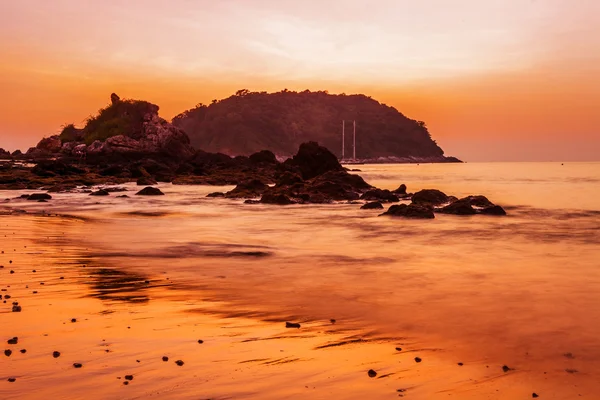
521	290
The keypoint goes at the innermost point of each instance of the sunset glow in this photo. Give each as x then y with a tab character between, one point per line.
495	80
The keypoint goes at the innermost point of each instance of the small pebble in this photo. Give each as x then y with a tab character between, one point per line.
292	325
200	341
505	368
129	377
126	383
77	365
7	352
372	373
460	364
165	358
535	395
332	321
418	359
23	351
398	348
179	362
56	354
73	320
14	340
12	379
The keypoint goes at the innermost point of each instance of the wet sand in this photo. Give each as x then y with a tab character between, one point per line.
126	321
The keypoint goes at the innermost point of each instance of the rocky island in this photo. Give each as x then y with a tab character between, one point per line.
128	141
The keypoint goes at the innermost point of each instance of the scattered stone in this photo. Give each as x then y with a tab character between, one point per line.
56	354
14	340
410	211
401	190
494	210
333	321
418	359
12	379
16	308
150	191
216	194
200	341
7	352
398	348
123	196
39	196
534	395
23	351
73	320
179	362
125	383
292	325
146	181
460	364
459	207
77	365
100	192
129	377
165	358
380	195
372	373
505	368
374	205
277	199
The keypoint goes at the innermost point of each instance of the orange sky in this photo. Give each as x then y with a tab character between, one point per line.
494	80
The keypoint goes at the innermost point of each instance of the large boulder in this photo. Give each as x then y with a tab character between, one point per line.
493	210
459	207
150	191
263	157
410	211
375	205
278	199
51	144
313	160
431	197
401	190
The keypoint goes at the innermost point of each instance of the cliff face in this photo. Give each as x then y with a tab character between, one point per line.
248	122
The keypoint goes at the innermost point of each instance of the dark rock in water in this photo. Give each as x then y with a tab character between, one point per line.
398	348
494	210
73	320
23	351
123	196
165	358
534	395
313	160
478	201
460	364
56	354
55	168
150	191
11	380
125	383
333	321
505	368
278	199
146	181
200	341
410	211
252	201
77	365
380	195
372	206
7	352
459	207
432	197
39	196
247	189
401	190
263	157
179	362
292	325
372	373
129	377
14	340
16	308
216	194
100	192
418	359
42	201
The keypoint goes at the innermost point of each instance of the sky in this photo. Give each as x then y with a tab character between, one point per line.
495	80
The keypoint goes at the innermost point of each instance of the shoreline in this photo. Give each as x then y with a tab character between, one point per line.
117	310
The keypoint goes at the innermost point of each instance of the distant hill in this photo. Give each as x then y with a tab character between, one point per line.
248	122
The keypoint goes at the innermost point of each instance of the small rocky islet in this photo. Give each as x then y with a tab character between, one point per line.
152	150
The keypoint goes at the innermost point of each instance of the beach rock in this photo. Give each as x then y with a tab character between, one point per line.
52	168
313	160
478	201
459	207
14	340
56	354
216	194
410	211
165	358
11	380
288	179
146	181
505	368
292	325
398	348
493	210
16	308
23	351
278	199
129	377
179	363
263	157
247	189
418	359
372	206
372	373
100	192
77	365
380	195
534	395
150	191
250	201
401	190
7	352
39	196
431	197
200	341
